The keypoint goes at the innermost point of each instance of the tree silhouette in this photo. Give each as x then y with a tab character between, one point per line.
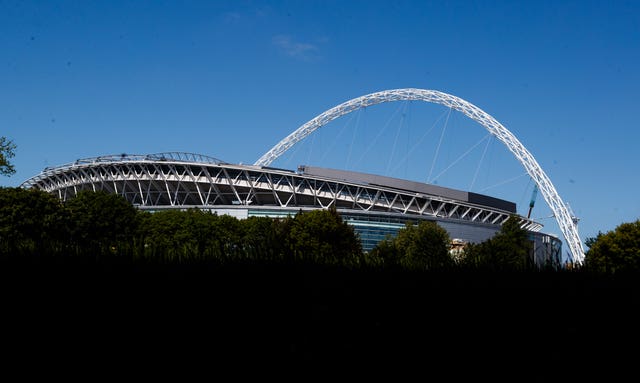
321	236
6	152
31	222
424	246
615	251
101	223
509	249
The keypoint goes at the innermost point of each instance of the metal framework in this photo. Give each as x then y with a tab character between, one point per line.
179	181
567	223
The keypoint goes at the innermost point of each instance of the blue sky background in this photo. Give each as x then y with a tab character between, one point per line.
231	78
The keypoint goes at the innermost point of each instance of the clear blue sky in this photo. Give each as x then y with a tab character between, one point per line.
231	78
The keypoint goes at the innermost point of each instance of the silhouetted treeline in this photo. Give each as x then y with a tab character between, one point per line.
102	225
295	291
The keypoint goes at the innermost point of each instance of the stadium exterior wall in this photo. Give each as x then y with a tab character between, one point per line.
375	206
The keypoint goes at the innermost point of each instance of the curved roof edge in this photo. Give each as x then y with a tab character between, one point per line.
410	186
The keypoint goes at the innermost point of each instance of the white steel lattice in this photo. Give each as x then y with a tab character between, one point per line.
164	183
560	210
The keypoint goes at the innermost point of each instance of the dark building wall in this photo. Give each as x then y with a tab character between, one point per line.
411	186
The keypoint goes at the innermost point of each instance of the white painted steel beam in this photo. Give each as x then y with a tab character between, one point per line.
565	219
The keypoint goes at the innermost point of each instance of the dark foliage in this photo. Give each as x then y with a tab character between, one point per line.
510	249
424	246
322	237
206	294
31	222
100	223
617	251
7	148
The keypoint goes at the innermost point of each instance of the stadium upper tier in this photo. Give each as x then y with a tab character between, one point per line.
185	180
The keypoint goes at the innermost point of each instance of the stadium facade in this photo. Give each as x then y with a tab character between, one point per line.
376	206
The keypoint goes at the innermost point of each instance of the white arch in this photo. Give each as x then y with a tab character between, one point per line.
560	210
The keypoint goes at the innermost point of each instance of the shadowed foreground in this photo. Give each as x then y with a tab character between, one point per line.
73	314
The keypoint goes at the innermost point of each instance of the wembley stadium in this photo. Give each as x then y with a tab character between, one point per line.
376	206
